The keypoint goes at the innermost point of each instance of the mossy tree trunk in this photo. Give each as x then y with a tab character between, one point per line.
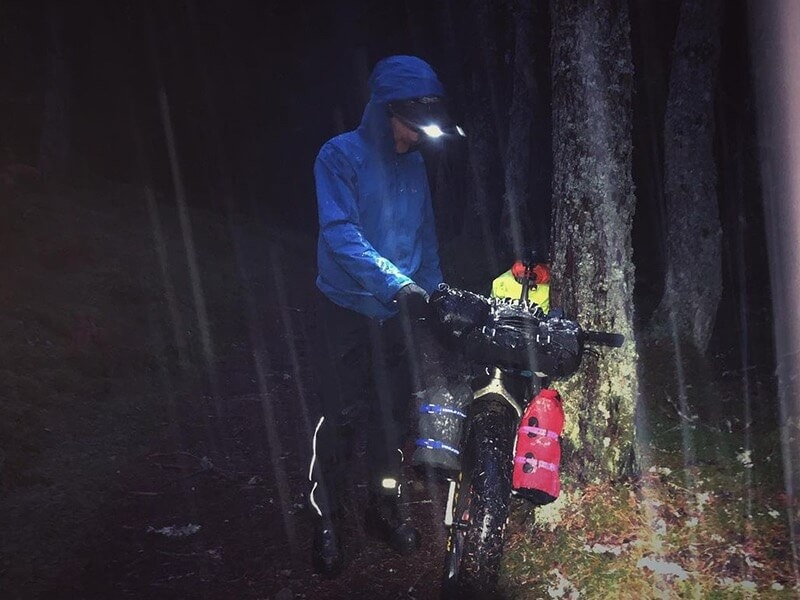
593	206
693	233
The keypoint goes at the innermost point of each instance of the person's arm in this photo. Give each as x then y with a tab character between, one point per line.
429	275
340	228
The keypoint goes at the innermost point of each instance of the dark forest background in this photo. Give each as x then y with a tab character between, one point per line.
157	231
252	89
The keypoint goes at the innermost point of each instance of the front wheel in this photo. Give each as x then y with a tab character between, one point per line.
483	495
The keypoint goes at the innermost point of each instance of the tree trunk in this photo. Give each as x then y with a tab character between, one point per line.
693	285
592	221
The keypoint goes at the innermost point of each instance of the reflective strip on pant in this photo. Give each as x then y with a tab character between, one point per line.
311	467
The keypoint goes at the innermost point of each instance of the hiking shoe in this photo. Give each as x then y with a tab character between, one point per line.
385	521
326	552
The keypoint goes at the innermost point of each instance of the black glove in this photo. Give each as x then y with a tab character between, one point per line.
413	301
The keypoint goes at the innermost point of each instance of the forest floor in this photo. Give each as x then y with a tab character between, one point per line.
154	434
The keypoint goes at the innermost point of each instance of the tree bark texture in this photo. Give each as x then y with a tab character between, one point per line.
593	200
693	285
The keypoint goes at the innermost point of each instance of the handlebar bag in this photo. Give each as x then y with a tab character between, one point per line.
508	334
458	312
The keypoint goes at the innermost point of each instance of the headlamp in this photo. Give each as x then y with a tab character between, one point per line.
428	115
433	131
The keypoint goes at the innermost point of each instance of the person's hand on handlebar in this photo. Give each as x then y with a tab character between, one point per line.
413	301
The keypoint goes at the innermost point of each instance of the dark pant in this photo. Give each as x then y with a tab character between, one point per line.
364	383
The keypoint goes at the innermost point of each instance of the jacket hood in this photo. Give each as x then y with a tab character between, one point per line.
396	78
403	78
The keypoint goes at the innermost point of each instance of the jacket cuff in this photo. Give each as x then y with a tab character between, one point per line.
395	286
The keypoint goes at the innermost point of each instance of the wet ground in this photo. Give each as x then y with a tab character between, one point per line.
211	504
190	521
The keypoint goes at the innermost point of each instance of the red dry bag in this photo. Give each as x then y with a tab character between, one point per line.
538	450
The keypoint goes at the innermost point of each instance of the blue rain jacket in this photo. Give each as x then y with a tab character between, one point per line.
376	227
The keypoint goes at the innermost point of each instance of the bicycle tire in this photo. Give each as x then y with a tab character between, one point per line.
481	505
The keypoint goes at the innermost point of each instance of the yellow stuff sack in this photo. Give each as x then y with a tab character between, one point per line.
506	286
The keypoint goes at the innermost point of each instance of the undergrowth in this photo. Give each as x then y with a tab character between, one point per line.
706	517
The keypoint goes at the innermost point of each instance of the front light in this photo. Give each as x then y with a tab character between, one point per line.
388	483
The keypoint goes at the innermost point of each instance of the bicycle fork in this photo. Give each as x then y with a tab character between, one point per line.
493	383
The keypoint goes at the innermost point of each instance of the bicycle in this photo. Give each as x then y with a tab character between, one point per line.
520	349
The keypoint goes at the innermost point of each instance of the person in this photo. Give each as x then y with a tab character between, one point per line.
528	279
377	256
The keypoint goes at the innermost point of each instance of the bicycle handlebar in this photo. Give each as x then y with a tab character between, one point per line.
602	338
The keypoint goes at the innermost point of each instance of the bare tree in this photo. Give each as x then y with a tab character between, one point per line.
593	206
693	232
